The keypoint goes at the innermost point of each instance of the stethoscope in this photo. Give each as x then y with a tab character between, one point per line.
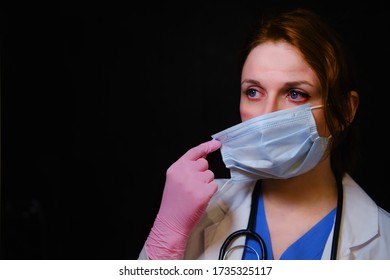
249	232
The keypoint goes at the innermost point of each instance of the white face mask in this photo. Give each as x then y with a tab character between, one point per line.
281	144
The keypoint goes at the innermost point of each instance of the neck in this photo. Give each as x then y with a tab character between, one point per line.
316	188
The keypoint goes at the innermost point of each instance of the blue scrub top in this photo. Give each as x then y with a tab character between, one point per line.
309	246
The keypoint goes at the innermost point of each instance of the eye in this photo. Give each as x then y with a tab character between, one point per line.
252	93
297	96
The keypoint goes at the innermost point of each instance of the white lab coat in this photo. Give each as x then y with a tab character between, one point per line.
364	232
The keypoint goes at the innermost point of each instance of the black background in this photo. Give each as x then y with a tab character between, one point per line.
98	101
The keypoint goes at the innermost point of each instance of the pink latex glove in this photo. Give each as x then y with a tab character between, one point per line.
188	189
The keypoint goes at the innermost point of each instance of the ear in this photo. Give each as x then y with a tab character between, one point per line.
354	103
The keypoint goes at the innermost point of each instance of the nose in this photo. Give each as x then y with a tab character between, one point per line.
270	105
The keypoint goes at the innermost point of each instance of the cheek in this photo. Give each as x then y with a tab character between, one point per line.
246	113
245	116
248	110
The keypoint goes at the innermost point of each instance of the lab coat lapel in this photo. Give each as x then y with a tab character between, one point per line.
235	203
359	221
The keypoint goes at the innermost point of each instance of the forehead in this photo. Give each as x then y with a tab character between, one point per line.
277	58
276	54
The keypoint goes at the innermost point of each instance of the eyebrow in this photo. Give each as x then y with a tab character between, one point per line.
296	83
289	84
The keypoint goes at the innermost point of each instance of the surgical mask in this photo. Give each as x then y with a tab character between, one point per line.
281	145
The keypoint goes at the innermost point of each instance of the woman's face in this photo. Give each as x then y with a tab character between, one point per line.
274	77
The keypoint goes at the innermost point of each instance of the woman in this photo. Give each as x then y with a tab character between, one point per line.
289	159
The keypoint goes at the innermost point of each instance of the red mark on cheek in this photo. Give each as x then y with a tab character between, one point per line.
245	116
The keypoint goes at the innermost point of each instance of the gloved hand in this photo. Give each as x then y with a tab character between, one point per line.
188	189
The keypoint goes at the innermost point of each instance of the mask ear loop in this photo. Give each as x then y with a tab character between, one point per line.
316	106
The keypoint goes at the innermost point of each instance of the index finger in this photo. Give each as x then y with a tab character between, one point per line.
203	149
